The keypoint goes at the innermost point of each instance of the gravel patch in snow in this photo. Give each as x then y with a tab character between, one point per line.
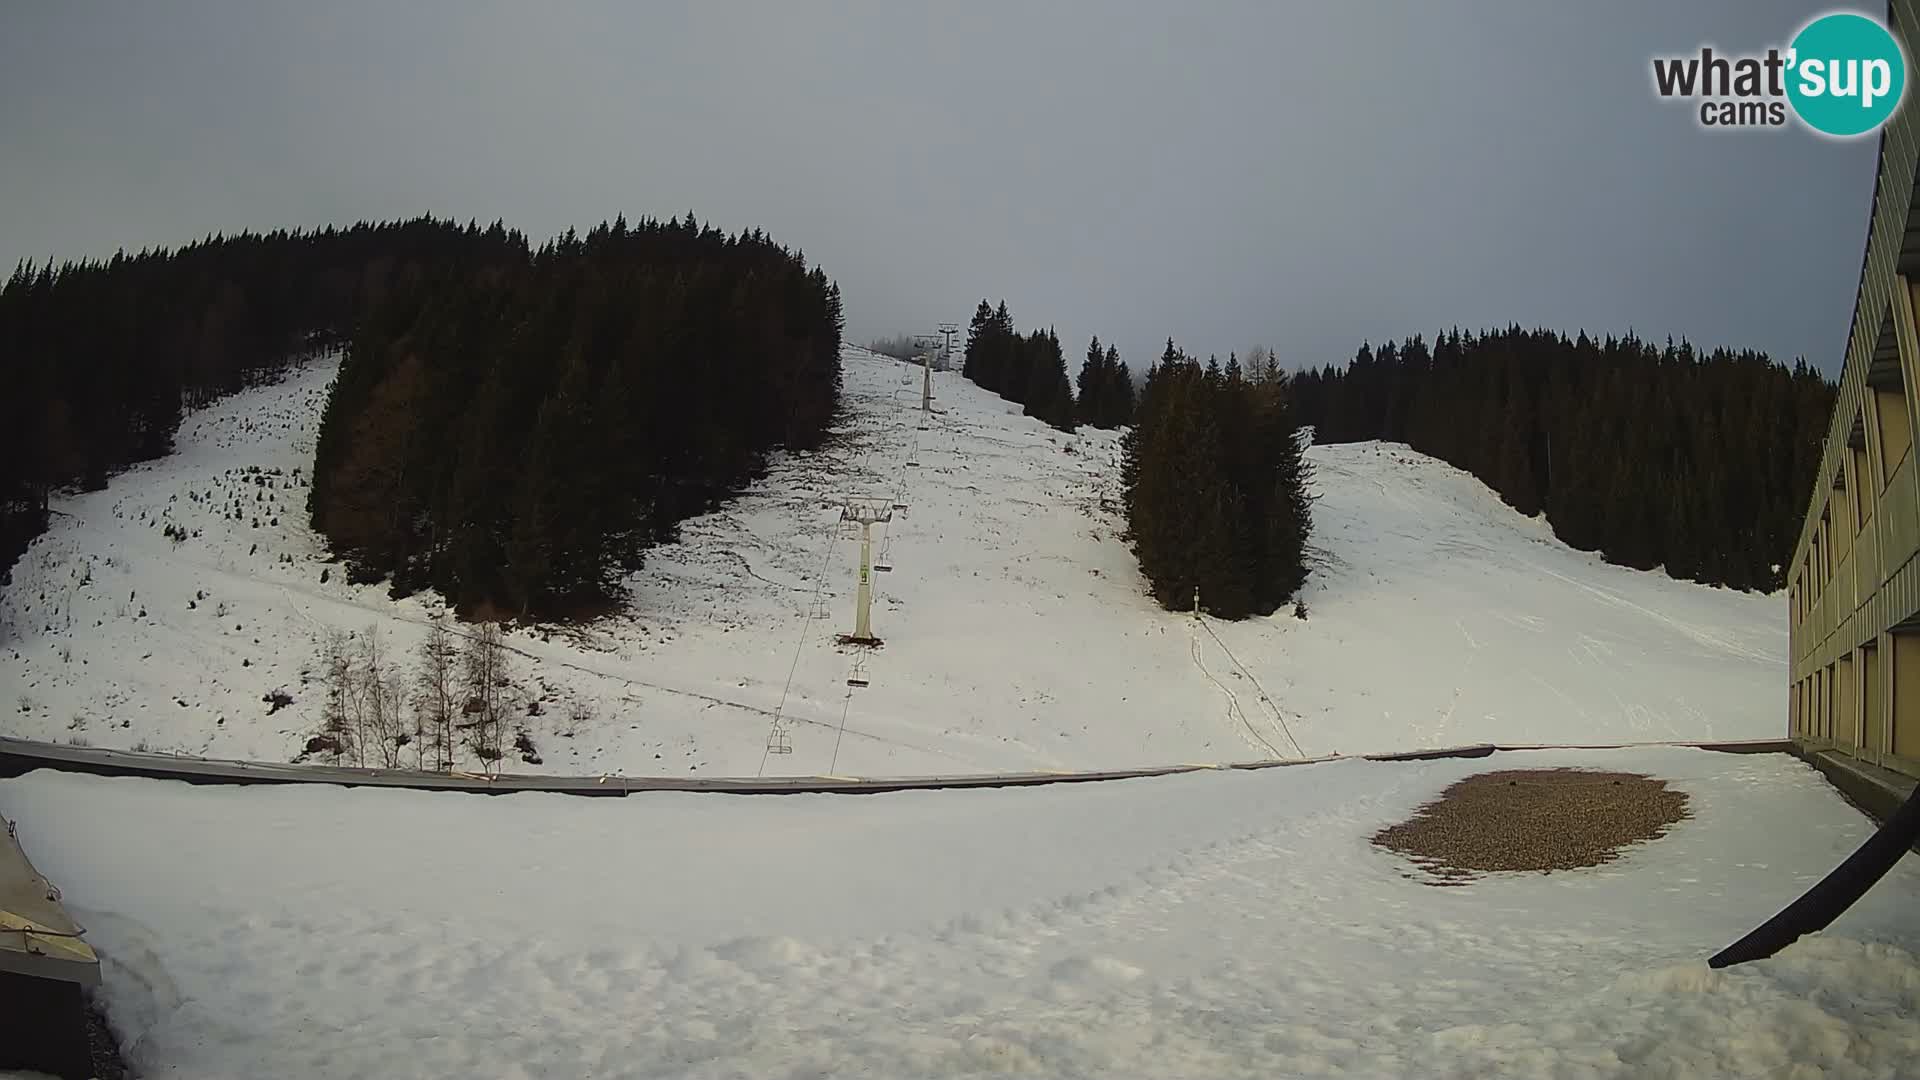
1534	819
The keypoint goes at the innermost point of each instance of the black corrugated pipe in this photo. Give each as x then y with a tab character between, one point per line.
1835	893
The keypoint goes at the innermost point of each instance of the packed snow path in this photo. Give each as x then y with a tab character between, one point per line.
1216	924
1018	633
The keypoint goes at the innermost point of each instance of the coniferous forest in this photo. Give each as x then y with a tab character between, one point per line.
101	358
1215	484
1698	462
1105	388
1030	371
517	435
1216	487
511	426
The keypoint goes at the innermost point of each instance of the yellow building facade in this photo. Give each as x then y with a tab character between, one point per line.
1854	582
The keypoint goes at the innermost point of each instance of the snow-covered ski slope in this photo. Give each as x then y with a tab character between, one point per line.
1017	631
1218	924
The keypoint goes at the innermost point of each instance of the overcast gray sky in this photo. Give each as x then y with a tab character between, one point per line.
1226	173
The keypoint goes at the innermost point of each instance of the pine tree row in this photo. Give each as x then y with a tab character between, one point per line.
1105	388
1030	371
517	435
1216	488
1698	462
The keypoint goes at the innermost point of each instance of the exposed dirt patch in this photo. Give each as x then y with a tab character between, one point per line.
1534	819
102	1047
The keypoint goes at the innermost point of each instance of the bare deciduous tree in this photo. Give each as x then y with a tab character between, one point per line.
356	703
485	677
436	694
380	701
337	675
1262	366
419	737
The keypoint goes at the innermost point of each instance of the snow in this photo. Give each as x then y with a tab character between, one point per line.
1018	634
1210	924
1220	923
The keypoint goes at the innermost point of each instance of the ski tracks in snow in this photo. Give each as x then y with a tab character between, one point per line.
1436	733
1245	730
1687	630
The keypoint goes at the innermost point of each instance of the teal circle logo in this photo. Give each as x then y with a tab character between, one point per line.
1846	74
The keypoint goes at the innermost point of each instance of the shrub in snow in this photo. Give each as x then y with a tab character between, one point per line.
325	744
523	743
578	716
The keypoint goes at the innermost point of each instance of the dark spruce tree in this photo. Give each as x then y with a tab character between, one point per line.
1105	388
1116	403
1049	397
979	330
1090	384
992	361
1003	360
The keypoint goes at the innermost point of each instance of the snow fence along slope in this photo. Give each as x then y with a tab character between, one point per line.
1017	631
1215	924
